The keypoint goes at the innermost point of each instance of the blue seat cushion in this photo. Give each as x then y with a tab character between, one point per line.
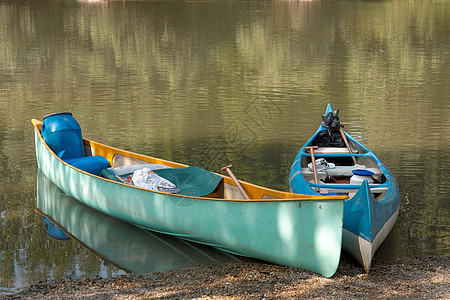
90	164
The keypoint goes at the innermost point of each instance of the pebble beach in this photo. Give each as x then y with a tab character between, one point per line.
398	279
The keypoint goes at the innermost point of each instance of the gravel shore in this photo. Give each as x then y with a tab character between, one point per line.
398	279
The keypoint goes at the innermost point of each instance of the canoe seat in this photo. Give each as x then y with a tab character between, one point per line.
333	150
62	133
342	171
337	189
192	181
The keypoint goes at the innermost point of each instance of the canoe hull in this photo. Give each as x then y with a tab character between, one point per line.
301	234
367	222
363	250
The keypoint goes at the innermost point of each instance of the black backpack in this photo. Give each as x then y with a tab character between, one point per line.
330	137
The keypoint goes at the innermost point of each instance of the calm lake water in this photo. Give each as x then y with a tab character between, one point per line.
211	83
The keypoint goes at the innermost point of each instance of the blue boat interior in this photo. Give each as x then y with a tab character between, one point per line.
337	157
337	180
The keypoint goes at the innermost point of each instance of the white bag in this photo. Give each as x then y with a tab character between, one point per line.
145	178
321	165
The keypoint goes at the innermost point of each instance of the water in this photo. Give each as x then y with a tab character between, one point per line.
220	82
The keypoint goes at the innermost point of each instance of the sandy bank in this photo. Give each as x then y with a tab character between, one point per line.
399	279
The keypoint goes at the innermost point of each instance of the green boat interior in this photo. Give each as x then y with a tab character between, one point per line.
192	181
62	134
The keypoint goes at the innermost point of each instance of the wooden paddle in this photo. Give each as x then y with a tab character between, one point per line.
313	160
347	144
238	184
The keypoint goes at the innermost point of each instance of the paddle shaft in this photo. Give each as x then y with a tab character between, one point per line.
313	161
238	184
347	144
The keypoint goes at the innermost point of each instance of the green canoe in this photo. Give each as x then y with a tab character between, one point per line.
289	229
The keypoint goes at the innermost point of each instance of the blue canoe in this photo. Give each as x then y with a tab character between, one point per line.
374	198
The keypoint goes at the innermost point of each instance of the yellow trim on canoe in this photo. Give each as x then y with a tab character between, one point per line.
255	192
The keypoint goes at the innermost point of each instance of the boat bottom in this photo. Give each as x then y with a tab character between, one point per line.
363	250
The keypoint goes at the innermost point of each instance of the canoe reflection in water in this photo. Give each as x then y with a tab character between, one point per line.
122	244
54	231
